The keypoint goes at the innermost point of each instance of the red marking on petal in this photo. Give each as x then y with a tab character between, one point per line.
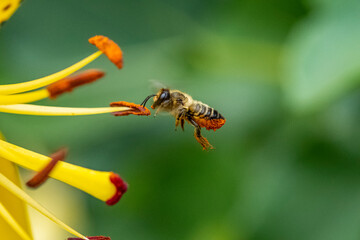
109	48
43	175
92	238
69	83
136	109
121	188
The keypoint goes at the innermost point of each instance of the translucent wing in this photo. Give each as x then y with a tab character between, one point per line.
156	85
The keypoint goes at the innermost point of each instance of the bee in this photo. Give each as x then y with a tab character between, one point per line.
184	108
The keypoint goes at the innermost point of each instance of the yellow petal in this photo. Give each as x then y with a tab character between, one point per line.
28	109
6	215
41	82
16	208
18	192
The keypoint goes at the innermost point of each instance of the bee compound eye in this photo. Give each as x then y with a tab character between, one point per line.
164	95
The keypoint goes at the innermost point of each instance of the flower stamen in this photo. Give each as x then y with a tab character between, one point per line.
29	109
24	97
109	48
55	89
43	175
135	109
41	82
69	83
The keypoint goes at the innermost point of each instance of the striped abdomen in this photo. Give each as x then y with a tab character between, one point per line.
206	116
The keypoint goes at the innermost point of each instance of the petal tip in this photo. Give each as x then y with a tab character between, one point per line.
121	188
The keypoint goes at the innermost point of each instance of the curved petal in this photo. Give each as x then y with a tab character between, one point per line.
15	206
106	186
19	193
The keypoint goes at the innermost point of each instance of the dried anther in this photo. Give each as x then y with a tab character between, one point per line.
109	48
69	83
121	188
92	238
43	175
136	109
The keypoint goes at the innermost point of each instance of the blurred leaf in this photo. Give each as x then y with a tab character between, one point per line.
322	60
223	57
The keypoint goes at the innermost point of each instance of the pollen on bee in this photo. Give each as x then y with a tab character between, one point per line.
213	124
109	48
136	109
69	83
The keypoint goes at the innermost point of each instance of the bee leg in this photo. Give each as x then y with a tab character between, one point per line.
182	122
180	118
197	134
177	122
202	140
157	111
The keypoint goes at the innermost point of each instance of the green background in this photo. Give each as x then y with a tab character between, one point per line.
284	73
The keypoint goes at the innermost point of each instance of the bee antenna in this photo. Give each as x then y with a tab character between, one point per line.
147	99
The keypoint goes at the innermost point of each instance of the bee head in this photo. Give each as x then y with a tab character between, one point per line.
160	97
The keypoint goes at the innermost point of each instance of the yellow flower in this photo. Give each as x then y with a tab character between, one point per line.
15	98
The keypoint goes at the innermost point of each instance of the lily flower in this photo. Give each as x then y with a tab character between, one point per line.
14	98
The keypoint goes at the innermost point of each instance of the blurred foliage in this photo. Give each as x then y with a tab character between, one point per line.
284	73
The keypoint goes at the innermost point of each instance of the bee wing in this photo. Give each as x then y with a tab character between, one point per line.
156	85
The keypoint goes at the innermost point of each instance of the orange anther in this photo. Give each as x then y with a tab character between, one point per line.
43	175
136	109
109	48
69	83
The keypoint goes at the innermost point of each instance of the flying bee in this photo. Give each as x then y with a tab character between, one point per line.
184	108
